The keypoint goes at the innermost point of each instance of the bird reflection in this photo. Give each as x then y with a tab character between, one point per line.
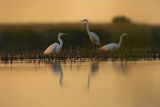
93	71
78	66
123	66
57	70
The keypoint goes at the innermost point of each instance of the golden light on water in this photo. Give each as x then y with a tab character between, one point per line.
34	85
17	11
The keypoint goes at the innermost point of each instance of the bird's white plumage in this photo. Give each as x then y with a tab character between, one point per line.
55	48
113	46
110	47
92	36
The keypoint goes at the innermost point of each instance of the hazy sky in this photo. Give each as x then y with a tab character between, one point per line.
20	11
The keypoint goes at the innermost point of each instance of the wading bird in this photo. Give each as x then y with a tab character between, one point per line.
92	36
55	48
113	46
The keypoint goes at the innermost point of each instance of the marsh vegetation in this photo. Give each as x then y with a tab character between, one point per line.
30	40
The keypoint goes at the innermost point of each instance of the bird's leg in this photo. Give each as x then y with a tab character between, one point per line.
52	58
110	55
55	56
92	46
93	51
113	55
58	58
96	52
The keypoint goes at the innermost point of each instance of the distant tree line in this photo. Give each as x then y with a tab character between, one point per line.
121	19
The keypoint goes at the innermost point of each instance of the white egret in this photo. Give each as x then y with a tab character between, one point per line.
92	36
113	46
55	48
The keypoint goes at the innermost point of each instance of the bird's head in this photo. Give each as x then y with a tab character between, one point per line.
124	34
85	20
61	34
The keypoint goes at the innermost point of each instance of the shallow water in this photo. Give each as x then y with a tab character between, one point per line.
80	84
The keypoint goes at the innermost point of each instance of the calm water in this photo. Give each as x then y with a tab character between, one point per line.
85	84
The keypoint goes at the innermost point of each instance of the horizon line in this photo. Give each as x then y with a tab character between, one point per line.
67	22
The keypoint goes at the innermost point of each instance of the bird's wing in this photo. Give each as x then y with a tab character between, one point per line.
51	49
95	37
104	48
108	47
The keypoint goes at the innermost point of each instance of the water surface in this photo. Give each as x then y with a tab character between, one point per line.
80	84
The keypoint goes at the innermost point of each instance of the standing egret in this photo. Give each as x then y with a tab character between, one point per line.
113	46
55	48
92	36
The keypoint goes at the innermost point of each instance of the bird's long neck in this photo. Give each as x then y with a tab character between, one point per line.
61	41
120	41
87	27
